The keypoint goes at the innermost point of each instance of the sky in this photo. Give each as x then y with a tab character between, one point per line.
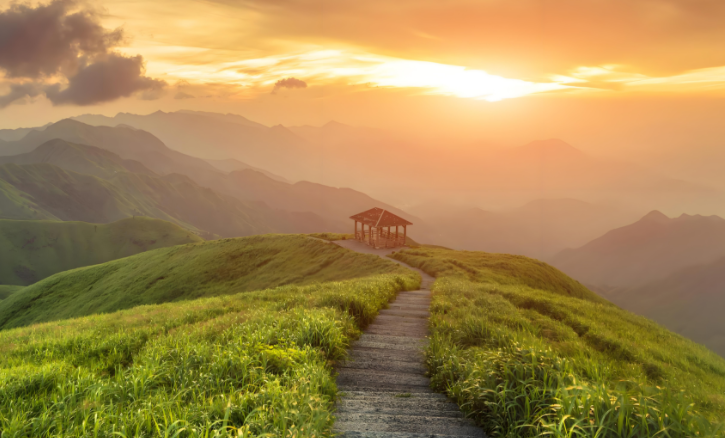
642	79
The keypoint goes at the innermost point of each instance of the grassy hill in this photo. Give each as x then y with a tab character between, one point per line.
33	250
6	290
688	302
187	272
15	204
527	351
256	363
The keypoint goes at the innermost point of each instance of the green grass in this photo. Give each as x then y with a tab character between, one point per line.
186	272
256	363
7	290
527	351
33	250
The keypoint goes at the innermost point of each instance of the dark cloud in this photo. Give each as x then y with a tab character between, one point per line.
109	79
19	91
289	83
60	41
48	39
181	95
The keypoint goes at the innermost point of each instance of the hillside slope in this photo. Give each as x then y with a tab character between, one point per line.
33	250
530	352
257	363
48	190
646	250
187	272
688	302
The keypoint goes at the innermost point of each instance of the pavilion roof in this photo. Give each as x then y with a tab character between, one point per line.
377	217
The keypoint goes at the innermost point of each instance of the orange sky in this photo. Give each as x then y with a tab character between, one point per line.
608	75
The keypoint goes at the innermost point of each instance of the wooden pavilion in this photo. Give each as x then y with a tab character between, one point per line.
380	233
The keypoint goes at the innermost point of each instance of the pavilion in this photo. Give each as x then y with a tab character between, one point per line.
379	233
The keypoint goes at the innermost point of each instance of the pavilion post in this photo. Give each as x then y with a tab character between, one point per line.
370	235
396	234
355	232
405	234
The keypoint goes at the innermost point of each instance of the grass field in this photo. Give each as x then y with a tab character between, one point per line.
527	351
33	250
186	272
254	363
7	290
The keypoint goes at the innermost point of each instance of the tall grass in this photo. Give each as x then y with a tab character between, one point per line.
251	364
528	352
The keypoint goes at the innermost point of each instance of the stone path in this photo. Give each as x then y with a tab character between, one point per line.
385	390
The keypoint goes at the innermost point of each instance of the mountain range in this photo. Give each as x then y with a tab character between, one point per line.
645	251
73	171
406	172
688	301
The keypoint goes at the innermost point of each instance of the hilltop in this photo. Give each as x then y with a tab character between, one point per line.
187	272
33	250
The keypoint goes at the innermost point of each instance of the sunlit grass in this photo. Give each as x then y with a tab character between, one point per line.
256	363
526	351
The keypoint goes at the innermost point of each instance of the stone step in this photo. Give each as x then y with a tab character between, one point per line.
405	313
400	340
419	304
403	423
382	395
372	434
350	376
412	299
409	305
374	354
402	323
377	387
403	403
382	317
388	365
415	411
412	346
416	294
414	334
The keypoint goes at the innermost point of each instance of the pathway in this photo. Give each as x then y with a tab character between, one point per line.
386	391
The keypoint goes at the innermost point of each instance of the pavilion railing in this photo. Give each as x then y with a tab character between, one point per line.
381	238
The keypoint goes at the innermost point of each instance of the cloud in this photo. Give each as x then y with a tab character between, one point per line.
103	81
48	39
290	83
19	91
181	95
63	48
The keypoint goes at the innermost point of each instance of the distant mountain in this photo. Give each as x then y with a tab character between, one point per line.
392	167
331	203
319	208
33	250
78	158
231	165
645	251
220	136
67	195
539	229
689	302
16	134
